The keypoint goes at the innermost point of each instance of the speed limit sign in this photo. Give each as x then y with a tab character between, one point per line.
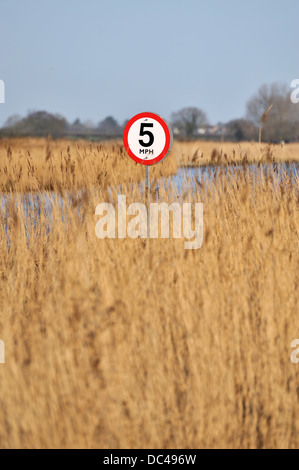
147	138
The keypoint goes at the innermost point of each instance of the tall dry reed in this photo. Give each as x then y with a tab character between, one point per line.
103	352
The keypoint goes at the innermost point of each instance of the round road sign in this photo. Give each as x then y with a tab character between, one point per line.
147	138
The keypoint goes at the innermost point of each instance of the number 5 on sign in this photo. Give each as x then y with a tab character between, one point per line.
147	138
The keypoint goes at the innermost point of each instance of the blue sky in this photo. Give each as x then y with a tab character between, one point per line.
90	59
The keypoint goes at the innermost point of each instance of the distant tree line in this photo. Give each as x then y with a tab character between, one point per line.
282	121
43	124
188	123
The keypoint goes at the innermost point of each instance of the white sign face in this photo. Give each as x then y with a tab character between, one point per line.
147	138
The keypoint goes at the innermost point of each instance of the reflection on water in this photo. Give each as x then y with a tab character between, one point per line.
186	178
208	174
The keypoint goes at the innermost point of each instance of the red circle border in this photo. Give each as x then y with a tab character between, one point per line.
166	148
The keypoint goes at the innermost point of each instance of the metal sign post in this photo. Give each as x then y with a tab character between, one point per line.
148	197
147	139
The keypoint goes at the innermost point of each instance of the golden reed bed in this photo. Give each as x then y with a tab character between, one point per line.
124	343
223	153
42	164
45	164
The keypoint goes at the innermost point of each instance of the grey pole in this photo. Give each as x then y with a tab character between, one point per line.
148	196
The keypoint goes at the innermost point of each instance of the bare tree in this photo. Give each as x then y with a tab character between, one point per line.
188	120
37	123
241	129
109	126
282	117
